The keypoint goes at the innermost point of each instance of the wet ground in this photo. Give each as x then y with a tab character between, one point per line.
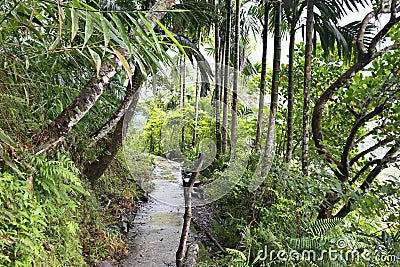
158	223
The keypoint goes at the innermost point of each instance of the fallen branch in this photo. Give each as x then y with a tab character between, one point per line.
211	237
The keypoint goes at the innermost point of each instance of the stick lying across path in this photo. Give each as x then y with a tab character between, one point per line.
180	254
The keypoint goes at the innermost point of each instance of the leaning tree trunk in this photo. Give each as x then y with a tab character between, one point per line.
235	79
96	169
263	79
130	94
56	131
114	141
307	84
340	166
226	78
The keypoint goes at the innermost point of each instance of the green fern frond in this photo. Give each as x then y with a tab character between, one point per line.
236	253
321	227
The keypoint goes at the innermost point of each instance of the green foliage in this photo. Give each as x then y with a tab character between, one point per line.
22	223
286	205
39	223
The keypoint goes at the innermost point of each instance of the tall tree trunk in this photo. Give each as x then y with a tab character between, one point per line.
217	85
270	141
197	97
222	71
183	82
289	144
265	162
235	79
183	94
225	125
263	79
307	84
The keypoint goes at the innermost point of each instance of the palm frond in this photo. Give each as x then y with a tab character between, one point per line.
342	38
194	15
193	53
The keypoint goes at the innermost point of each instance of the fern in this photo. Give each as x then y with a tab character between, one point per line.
236	253
321	227
57	178
317	242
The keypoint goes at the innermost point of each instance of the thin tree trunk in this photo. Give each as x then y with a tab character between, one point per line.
196	100
225	125
270	141
244	55
263	79
188	213
183	94
289	144
235	79
222	71
307	84
217	87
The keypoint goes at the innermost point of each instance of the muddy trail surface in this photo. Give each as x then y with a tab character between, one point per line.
158	223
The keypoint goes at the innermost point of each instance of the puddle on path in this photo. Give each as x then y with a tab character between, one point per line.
158	223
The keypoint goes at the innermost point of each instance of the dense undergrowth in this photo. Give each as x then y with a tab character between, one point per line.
282	214
50	216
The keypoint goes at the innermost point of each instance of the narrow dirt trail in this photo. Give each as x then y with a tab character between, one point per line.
158	223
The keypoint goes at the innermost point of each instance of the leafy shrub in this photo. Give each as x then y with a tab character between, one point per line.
39	220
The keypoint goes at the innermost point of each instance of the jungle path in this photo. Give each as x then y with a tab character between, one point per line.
158	222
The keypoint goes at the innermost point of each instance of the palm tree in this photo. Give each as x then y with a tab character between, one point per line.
217	81
330	11
263	77
293	11
226	77
268	152
235	78
307	84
